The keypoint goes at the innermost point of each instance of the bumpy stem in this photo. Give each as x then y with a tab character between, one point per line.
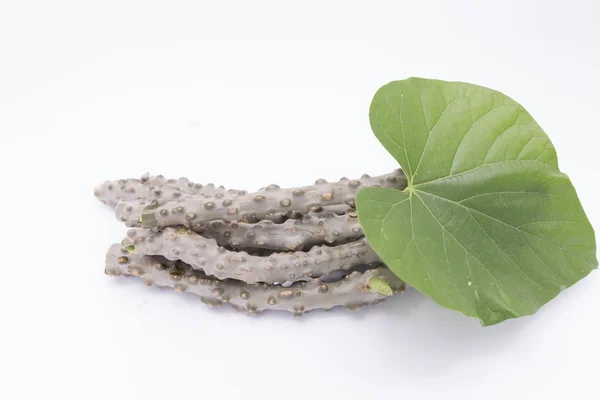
130	212
149	187
205	254
354	291
257	206
293	234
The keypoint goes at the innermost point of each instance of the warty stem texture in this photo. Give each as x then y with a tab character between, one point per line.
353	291
205	254
257	206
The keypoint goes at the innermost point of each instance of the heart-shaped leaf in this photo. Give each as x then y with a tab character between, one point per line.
488	225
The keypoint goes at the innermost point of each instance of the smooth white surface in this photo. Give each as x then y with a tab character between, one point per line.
244	94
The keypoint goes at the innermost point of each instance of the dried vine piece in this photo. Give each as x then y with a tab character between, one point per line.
130	213
354	291
291	235
154	187
205	254
257	206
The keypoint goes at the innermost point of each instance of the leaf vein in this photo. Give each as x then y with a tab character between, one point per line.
473	255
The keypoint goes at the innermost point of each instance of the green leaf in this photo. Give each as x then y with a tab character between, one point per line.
488	224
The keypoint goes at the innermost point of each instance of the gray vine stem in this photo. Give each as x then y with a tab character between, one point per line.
354	291
205	254
259	205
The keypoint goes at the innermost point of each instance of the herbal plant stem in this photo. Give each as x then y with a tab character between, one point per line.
205	254
354	291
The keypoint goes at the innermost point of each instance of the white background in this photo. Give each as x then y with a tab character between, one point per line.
245	94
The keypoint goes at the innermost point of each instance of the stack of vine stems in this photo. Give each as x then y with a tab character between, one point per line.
294	250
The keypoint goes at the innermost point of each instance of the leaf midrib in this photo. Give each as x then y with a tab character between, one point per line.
474	257
442	178
469	209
